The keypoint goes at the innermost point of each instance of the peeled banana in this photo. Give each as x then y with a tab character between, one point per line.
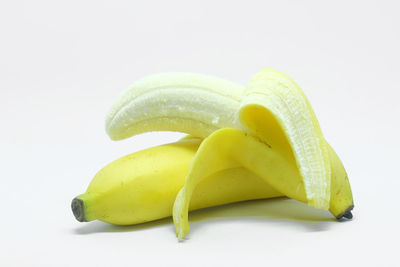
261	140
270	114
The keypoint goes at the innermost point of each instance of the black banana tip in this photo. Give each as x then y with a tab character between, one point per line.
78	209
346	214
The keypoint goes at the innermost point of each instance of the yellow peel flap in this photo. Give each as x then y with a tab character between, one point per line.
284	99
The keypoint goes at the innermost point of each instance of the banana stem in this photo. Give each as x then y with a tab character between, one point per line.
346	214
78	209
83	208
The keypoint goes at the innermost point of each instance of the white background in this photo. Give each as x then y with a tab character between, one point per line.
63	62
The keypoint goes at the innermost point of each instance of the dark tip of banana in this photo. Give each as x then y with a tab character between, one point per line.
78	210
346	214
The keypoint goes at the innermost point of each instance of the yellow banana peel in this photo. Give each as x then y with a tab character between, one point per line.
142	186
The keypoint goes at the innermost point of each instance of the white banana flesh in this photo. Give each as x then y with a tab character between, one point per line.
184	102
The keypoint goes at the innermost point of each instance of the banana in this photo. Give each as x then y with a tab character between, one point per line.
142	186
271	109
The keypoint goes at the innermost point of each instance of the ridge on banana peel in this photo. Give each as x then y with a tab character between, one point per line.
271	109
142	186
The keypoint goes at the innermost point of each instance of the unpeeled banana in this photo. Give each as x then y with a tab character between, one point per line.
267	129
142	186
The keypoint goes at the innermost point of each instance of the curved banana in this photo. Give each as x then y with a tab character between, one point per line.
272	108
142	186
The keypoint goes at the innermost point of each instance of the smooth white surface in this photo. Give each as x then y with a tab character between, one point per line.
63	62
